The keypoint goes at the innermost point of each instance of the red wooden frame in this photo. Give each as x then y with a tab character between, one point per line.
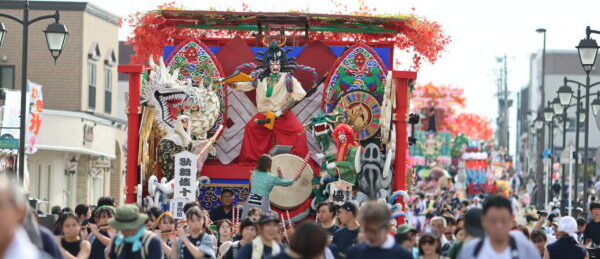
133	125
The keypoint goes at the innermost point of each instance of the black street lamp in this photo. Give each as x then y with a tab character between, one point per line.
560	110
588	50
538	123
581	116
548	113
548	118
557	106
56	36
565	93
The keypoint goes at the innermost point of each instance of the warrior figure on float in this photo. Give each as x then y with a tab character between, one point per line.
277	91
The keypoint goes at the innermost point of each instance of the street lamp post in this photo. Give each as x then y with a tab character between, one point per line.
539	125
560	106
588	51
565	94
559	110
548	118
56	36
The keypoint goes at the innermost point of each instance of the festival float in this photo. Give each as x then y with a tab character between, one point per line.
319	92
449	149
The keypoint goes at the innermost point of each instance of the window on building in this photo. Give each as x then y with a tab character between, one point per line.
7	77
107	90
91	85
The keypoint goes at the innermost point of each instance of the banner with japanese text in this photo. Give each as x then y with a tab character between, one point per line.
35	106
185	176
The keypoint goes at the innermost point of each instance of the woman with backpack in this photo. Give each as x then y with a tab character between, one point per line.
229	250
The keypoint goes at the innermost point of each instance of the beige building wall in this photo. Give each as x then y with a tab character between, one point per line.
61	139
106	37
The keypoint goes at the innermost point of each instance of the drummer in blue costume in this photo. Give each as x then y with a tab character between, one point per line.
262	182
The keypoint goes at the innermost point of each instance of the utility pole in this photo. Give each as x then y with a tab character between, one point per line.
503	105
541	135
507	104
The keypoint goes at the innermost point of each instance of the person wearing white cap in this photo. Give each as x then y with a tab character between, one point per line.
566	245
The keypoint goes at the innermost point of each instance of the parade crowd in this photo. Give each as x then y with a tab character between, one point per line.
438	225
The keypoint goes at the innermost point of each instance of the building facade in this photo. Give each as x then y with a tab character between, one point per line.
559	64
81	137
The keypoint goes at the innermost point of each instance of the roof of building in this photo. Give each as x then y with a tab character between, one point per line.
63	6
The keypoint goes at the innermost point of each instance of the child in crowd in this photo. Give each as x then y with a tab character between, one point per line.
198	244
71	244
101	232
166	230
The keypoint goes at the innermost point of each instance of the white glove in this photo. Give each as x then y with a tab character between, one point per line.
277	113
331	165
320	156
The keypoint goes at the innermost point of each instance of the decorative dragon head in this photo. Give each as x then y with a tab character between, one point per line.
321	124
170	96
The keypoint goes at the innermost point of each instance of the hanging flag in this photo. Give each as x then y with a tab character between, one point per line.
35	106
12	112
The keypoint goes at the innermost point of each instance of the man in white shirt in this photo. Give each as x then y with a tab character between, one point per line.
14	241
499	243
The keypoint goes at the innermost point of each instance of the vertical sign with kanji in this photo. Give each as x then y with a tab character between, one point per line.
185	176
176	206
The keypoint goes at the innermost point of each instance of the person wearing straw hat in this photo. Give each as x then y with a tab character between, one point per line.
134	240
